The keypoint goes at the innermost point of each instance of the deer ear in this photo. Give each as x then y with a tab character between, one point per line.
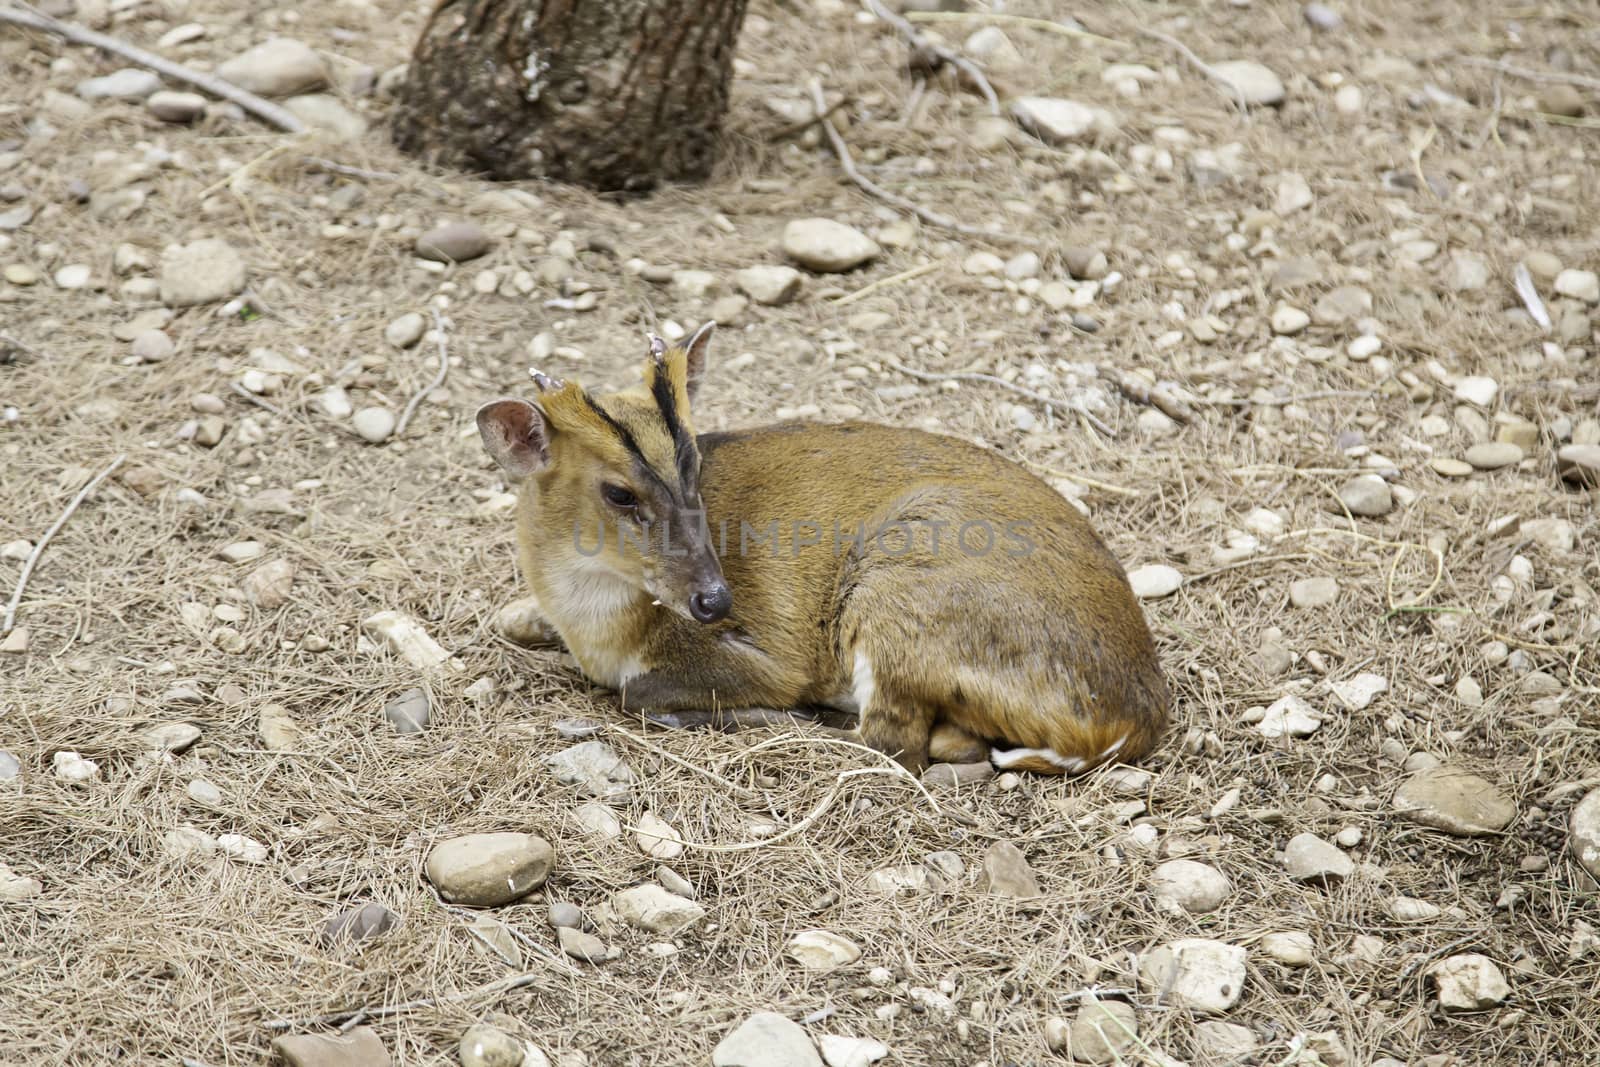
695	357
516	434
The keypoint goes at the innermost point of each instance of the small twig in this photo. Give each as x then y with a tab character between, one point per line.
23	15
884	283
685	764
1232	88
1081	479
351	172
1529	294
920	44
38	549
1532	75
438	379
258	401
498	987
801	127
1039	398
20	345
1282	401
1416	159
848	164
1013	20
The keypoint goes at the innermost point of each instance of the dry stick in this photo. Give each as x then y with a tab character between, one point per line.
1081	479
499	987
38	549
438	379
348	171
801	127
990	379
1532	75
23	15
848	164
685	764
1013	20
884	283
1204	68
919	43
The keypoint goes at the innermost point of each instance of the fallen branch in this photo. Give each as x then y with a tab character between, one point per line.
933	218
1049	402
438	379
795	128
920	45
1204	68
38	549
266	110
884	283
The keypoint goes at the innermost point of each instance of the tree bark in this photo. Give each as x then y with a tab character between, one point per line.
617	95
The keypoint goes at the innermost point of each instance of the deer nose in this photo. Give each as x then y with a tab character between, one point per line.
711	605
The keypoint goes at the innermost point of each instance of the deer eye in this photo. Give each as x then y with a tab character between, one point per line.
619	496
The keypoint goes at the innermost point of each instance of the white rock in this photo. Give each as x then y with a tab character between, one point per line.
186	843
1308	858
1356	693
1469	982
766	1039
1292	948
73	276
1154	581
772	286
839	1051
656	838
1477	390
1364	347
1289	716
335	402
1101	1032
16	551
991	45
242	551
242	848
893	881
1054	120
1022	266
650	907
1193	886
15	888
277	728
373	424
1579	285
1288	320
826	245
71	767
279	67
1224	1042
822	950
201	272
151	346
406	637
1585	833
1292	193
406	330
174	737
129	83
1468	271
1203	976
321	111
598	819
1251	80
1412	910
204	793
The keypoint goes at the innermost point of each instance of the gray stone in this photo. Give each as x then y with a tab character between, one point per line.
1316	592
360	923
1322	17
1469	982
1102	1031
562	914
1492	455
361	1047
1585	833
822	950
1206	977
1006	872
454	242
174	737
1308	858
1193	886
129	83
279	67
1580	464
1346	303
173	106
483	1045
1468	271
1454	801
201	272
1053	120
1256	83
1367	495
152	346
323	112
582	946
595	768
957	775
485	870
771	286
373	424
827	246
10	767
409	712
650	907
270	585
1581	285
766	1039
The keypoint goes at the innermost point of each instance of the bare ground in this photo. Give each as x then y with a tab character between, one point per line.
128	955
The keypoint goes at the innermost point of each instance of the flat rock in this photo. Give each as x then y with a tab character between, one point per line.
270	585
485	870
454	242
822	950
957	775
1477	389
173	737
1154	581
1193	886
129	83
1356	693
279	67
1006	872
15	888
406	330
1102	1031
276	727
1584	828
1308	858
1581	285
1317	592
187	842
1289	716
409	711
828	246
1492	455
321	111
766	1039
650	907
1053	120
1206	977
201	272
841	1051
594	768
1411	910
360	923
10	767
1256	83
908	878
1454	801
1224	1042
1468	271
1368	496
657	838
1579	465
1469	982
174	106
771	286
582	946
1292	948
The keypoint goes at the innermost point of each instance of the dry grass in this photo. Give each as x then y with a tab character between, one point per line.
130	956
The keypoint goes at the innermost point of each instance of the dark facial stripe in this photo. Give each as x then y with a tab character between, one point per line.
686	456
628	442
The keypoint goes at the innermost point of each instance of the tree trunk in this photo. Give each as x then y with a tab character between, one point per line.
617	95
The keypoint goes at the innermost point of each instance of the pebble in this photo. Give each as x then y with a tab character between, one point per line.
1322	17
1101	1032
522	622
201	272
1446	467
656	838
827	246
1289	716
1469	982
1292	948
10	767
485	870
152	346
1562	100
841	1051
766	1039
174	106
21	274
242	848
454	242
279	67
1581	285
1256	83
129	83
71	767
186	843
360	1047
1292	193
1193	886
1412	910
581	945
1580	465
1230	1043
270	585
482	1045
822	950
1204	976
1492	455
1477	390
1006	872
242	551
768	285
1364	347
1308	858
1154	581
983	263
1367	495
1356	693
1053	120
597	819
277	728
1346	303
651	908
1454	801
1584	828
562	914
360	923
957	775
73	276
1022	266
204	793
1085	262
320	111
1468	271
894	881
15	643
173	737
1288	320
373	424
409	712
406	330
594	768
1316	592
